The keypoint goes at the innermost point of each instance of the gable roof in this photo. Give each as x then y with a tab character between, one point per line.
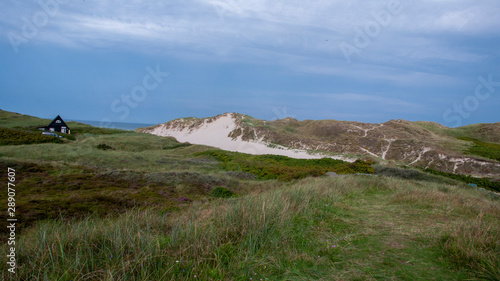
58	122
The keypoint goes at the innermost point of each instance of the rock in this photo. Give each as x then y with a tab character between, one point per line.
331	174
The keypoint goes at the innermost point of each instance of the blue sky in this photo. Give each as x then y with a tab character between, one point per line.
149	61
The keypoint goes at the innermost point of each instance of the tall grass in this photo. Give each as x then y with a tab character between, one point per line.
475	245
316	229
226	239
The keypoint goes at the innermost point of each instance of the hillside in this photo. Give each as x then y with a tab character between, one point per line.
105	204
420	144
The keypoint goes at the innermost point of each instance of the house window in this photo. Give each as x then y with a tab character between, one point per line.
51	129
58	121
63	130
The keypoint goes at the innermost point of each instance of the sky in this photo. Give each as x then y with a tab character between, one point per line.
151	61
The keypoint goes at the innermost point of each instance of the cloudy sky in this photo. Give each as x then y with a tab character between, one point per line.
150	61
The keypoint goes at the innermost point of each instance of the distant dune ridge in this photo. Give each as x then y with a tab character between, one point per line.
423	144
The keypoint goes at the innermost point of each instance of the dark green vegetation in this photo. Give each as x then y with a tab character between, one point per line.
410	174
481	148
222	192
88	213
481	182
435	176
285	168
103	146
17	137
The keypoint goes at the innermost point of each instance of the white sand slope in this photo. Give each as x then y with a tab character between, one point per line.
216	134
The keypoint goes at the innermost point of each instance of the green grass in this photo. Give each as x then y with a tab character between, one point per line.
12	119
481	148
346	228
132	151
285	168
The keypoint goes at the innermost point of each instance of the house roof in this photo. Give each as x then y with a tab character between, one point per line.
58	121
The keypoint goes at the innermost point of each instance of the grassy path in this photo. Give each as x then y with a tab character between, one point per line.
392	241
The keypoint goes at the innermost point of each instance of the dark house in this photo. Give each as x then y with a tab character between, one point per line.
57	125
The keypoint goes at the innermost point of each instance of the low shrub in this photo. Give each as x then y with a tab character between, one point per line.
409	174
103	146
222	192
18	137
176	145
481	182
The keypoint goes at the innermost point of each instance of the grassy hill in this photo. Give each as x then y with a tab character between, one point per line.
118	205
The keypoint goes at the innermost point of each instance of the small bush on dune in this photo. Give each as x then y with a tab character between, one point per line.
222	192
103	146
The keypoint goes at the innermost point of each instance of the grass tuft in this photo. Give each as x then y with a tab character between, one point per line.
474	245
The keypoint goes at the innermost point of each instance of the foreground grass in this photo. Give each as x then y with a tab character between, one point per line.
345	228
